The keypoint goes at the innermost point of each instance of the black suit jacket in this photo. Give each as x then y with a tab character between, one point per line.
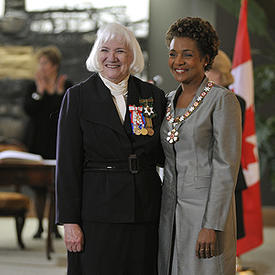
241	185
40	133
90	130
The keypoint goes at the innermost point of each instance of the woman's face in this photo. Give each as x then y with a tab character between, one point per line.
115	57
46	67
185	61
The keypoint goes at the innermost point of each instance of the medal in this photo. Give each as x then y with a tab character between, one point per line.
141	117
137	131
149	126
150	131
144	131
137	120
148	113
173	135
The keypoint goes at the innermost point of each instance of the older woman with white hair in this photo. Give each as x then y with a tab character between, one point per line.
107	188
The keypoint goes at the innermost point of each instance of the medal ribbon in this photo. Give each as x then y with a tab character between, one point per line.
137	119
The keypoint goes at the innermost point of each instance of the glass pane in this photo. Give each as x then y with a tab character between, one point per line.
2	5
136	10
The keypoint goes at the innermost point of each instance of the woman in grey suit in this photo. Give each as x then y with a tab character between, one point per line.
201	138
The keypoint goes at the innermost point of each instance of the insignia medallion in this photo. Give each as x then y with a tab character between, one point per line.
148	113
173	135
144	131
150	131
137	131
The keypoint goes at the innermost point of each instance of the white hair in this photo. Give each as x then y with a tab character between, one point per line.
115	31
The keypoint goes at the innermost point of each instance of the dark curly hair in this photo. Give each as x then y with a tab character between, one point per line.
199	30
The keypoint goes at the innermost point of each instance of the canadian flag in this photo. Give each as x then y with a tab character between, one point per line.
243	85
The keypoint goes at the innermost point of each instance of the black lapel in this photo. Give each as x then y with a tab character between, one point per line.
98	105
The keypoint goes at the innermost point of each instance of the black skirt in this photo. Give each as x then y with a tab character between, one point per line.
116	249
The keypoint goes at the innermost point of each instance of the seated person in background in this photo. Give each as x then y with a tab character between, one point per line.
42	103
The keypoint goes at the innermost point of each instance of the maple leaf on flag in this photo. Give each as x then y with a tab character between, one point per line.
249	141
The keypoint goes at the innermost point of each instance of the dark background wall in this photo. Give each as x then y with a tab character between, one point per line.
162	15
226	26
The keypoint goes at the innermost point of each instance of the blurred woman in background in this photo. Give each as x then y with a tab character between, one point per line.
42	103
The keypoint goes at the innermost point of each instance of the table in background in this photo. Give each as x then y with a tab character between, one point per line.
36	175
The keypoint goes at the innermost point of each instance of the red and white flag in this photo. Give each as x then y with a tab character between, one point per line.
243	85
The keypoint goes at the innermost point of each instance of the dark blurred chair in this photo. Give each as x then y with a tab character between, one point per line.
15	205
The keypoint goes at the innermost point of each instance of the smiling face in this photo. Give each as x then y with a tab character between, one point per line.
115	58
185	61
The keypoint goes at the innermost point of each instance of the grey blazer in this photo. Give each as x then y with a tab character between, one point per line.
199	179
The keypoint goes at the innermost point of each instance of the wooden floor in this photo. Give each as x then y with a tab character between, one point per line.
32	260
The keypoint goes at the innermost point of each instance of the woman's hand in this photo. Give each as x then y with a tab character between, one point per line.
205	246
40	81
60	83
73	237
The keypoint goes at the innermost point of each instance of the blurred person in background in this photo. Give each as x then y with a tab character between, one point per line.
42	103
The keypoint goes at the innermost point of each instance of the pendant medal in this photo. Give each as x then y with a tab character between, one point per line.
148	114
144	131
150	131
173	135
137	120
137	131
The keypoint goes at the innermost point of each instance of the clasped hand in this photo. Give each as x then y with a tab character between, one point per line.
51	85
206	243
73	237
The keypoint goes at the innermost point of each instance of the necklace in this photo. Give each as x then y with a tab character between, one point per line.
173	135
